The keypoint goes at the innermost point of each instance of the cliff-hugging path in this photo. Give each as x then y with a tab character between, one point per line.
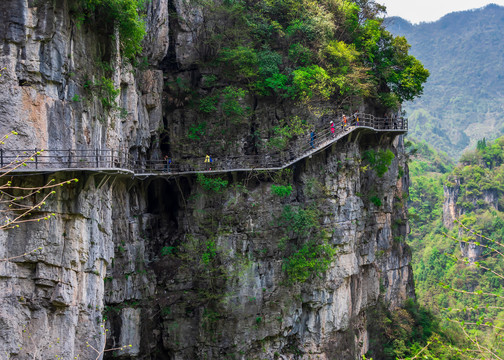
49	160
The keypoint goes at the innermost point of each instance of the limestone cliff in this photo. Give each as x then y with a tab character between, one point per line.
176	270
473	198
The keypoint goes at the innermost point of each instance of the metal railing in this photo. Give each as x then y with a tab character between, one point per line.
44	160
38	159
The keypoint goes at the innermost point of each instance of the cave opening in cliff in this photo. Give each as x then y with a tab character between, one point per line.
163	207
162	198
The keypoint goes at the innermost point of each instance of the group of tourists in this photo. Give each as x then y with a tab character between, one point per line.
352	120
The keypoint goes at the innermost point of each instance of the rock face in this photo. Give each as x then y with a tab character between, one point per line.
171	268
451	212
49	61
450	205
52	300
453	209
216	261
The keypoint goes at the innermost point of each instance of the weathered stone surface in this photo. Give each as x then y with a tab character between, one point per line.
130	332
48	60
175	269
156	42
449	205
452	210
190	19
256	310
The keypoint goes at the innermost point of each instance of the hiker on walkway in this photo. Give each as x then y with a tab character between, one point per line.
167	163
343	122
356	118
332	129
209	160
312	139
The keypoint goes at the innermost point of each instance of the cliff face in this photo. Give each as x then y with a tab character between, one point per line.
51	85
221	291
176	270
464	198
450	205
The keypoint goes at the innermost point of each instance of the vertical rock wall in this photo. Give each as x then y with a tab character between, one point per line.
176	271
49	62
212	265
52	300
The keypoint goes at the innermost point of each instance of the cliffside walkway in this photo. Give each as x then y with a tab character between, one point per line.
114	161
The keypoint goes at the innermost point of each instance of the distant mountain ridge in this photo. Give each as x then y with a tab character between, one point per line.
463	98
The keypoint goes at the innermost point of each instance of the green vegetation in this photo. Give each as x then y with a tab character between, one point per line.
210	252
427	173
209	104
379	161
285	131
440	259
281	190
214	184
231	106
298	222
407	331
375	200
312	259
107	92
481	172
197	131
167	250
306	50
255	56
307	252
125	14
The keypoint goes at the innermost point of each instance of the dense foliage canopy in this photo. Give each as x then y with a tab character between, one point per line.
437	258
305	49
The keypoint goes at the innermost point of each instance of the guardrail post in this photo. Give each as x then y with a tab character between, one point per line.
36	159
96	152
69	158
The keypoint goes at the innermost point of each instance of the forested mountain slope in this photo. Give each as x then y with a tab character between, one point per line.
472	194
462	101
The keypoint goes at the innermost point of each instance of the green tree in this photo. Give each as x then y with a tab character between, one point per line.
379	160
480	317
307	50
123	14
